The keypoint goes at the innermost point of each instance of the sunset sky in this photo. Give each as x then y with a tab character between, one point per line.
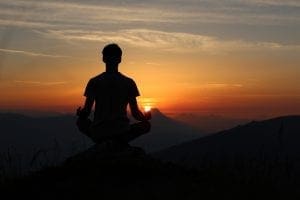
230	57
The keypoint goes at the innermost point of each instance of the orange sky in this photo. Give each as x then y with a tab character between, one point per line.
247	68
173	82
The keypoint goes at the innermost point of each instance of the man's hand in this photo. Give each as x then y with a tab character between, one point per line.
148	115
81	113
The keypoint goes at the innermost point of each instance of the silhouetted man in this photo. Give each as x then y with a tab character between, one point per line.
111	92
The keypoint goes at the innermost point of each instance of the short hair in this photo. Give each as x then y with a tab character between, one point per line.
112	50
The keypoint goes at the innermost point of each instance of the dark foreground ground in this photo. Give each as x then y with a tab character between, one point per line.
131	174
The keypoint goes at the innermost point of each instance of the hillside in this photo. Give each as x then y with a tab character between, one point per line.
108	173
104	173
273	139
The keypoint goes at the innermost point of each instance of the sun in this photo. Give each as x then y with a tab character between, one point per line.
147	103
147	108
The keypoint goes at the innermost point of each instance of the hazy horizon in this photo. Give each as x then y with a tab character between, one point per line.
170	113
203	122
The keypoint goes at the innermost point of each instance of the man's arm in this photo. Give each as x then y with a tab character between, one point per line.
86	110
135	111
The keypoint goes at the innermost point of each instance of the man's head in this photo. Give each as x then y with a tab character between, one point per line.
112	54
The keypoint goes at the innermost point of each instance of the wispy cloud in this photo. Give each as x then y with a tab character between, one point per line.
153	63
39	83
78	14
213	85
294	3
29	53
92	13
222	85
170	41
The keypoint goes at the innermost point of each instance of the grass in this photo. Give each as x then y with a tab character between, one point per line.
14	163
143	177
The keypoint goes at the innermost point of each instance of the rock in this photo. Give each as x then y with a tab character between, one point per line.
107	151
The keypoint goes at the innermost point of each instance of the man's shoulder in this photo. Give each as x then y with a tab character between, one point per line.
126	78
97	77
106	77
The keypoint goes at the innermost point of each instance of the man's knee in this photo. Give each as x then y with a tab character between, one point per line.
141	127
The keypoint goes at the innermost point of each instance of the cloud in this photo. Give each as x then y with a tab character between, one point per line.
153	63
222	85
93	21
169	41
294	3
39	83
29	53
212	86
92	13
73	13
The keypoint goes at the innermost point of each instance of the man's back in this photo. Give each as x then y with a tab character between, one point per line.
111	92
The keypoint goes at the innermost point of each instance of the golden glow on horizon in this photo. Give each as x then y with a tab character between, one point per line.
147	103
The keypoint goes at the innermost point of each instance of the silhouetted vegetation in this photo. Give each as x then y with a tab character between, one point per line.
139	176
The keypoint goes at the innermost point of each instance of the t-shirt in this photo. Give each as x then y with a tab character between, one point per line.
111	92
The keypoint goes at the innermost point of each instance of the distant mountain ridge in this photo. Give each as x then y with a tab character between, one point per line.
276	138
209	123
166	132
